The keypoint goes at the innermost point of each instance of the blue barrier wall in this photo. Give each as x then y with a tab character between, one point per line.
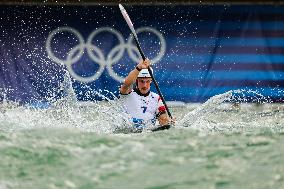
197	51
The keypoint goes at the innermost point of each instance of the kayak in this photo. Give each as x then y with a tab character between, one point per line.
160	128
127	130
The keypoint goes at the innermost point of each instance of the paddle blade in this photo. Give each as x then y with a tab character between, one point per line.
127	19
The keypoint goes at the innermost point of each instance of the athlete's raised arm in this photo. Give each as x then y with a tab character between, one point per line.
126	87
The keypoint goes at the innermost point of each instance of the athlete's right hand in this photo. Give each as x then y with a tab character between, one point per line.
144	64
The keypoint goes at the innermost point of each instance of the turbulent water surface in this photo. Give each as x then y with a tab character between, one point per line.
213	145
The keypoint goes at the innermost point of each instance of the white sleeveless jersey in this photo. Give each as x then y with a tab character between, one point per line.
143	109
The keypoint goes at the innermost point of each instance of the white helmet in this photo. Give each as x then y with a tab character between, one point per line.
144	73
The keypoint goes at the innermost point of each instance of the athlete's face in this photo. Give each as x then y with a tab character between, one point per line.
144	84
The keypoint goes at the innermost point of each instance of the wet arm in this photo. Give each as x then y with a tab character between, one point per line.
129	81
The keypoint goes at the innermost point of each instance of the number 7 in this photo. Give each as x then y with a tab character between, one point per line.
144	108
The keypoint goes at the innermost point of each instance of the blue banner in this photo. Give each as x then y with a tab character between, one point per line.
196	51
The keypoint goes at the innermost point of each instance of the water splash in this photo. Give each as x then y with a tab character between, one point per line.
201	111
233	112
221	113
100	117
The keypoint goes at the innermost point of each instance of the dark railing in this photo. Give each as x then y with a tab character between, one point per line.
137	2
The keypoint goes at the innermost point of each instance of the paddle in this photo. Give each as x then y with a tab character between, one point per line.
131	27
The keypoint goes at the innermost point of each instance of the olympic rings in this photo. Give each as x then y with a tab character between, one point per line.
96	54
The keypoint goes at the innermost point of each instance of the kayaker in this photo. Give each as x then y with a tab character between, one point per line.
144	106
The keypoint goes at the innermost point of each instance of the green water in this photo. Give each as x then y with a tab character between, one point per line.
224	148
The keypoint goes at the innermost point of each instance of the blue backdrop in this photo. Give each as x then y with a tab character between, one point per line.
197	51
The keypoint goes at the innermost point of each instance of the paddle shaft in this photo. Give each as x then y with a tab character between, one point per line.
151	74
131	27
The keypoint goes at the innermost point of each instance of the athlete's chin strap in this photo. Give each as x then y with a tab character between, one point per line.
138	91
